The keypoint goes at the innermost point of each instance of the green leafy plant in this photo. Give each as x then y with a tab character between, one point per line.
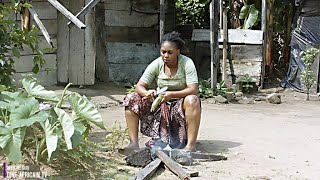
116	135
307	74
131	89
193	12
247	83
205	90
33	118
250	16
13	40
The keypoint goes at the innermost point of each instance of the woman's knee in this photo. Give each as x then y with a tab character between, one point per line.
192	101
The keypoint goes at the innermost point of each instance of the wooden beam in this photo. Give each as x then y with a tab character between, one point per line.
67	13
84	11
162	19
41	26
172	165
148	171
264	30
225	44
214	43
235	36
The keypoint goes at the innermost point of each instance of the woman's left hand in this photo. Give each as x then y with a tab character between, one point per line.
167	96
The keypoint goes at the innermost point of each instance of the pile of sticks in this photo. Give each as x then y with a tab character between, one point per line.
151	160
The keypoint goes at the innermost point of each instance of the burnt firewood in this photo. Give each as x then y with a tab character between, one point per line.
148	171
139	158
173	166
186	158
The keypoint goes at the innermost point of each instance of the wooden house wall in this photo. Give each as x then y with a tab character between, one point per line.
23	65
126	41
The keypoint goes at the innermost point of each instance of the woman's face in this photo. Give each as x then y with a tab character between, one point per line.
169	52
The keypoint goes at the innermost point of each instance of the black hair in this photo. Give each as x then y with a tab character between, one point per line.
175	38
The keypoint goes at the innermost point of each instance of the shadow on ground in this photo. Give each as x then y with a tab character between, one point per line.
215	146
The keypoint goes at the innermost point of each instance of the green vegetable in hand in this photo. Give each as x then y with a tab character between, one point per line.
156	102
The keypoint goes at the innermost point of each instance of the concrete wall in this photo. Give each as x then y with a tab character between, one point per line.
132	36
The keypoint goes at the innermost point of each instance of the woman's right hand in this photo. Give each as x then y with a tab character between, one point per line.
150	94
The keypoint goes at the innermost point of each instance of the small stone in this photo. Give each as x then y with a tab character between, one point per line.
271	157
230	96
221	99
251	101
274	98
238	94
257	99
82	87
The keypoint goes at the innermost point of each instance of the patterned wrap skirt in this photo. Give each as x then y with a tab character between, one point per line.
166	125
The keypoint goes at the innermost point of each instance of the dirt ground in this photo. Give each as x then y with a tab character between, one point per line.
262	140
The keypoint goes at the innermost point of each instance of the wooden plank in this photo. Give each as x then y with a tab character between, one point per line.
102	68
77	50
85	10
63	41
68	14
173	166
264	30
148	171
42	45
162	19
225	44
41	26
25	63
89	47
130	19
131	34
214	42
242	36
46	78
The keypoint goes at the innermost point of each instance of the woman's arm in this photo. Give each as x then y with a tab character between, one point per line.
142	90
191	89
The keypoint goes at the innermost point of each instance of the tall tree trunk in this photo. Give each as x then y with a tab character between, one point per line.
286	47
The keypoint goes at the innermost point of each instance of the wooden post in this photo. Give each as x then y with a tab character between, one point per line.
225	44
162	19
263	28
85	10
63	44
269	38
221	14
214	43
102	69
68	14
89	47
41	26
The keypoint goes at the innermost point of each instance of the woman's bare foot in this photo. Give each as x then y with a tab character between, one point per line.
129	149
189	148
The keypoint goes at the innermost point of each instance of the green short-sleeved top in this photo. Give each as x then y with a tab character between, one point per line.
186	74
